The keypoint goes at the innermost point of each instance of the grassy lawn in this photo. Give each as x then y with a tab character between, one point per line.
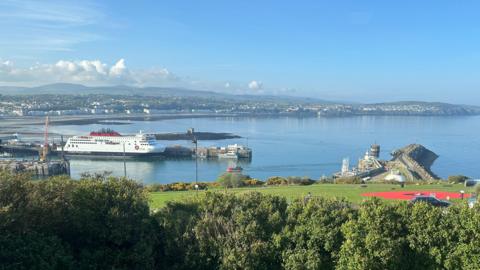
350	192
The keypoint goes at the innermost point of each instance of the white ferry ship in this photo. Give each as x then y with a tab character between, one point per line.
110	143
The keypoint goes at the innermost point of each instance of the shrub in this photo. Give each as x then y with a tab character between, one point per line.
232	180
326	180
457	179
312	237
277	180
223	231
253	182
376	239
295	180
91	223
23	251
349	180
178	186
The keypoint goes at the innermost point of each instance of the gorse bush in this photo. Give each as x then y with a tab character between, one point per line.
253	182
291	180
101	222
277	180
179	186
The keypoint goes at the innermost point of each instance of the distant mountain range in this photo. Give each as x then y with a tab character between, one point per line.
78	89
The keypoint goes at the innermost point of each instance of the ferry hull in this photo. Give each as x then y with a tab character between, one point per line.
109	155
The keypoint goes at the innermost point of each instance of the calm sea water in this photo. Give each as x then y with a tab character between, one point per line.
297	146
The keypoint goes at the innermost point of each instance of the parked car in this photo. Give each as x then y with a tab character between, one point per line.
430	200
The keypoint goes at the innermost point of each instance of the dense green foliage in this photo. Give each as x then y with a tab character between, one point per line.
62	223
349	180
291	180
232	180
179	186
457	178
101	222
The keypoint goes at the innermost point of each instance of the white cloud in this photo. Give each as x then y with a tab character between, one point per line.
88	72
98	73
255	85
155	77
119	68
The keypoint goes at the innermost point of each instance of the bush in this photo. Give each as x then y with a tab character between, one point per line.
105	223
376	239
457	179
178	186
232	180
91	223
253	182
295	180
223	231
312	237
277	180
23	251
349	180
291	180
325	180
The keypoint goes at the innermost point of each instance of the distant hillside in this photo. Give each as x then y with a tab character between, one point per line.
433	108
70	89
329	108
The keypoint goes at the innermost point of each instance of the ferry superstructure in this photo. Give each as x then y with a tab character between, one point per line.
111	143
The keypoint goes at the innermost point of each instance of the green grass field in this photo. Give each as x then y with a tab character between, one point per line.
350	192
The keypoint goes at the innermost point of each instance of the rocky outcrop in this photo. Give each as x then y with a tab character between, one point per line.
414	161
36	168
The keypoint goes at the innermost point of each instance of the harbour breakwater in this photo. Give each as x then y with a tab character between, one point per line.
412	162
415	162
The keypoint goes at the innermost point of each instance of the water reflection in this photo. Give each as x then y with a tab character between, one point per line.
156	170
296	146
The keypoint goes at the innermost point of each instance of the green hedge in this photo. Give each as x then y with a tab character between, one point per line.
105	223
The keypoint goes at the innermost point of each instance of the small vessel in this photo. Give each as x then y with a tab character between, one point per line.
234	168
229	155
109	143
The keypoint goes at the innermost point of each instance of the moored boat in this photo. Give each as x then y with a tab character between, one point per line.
109	143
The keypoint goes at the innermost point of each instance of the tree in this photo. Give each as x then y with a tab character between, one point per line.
105	223
232	180
223	231
465	251
376	239
110	224
33	251
429	236
312	237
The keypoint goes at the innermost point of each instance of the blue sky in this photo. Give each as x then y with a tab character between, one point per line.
364	51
